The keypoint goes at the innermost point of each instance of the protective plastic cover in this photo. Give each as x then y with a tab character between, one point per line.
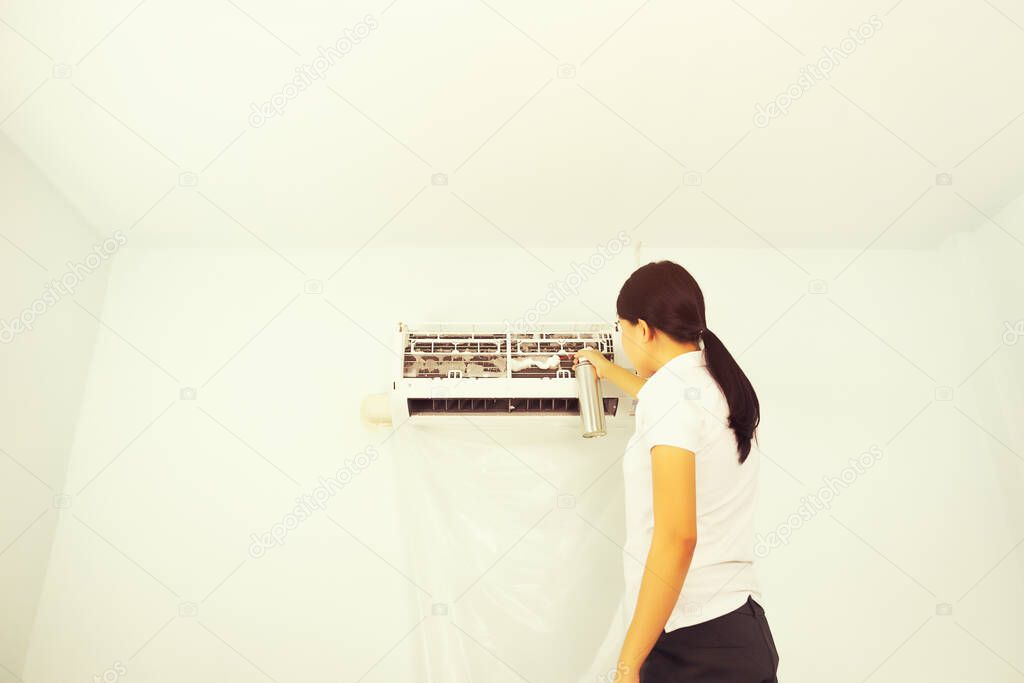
514	532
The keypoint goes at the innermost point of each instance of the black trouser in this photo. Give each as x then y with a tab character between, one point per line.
736	647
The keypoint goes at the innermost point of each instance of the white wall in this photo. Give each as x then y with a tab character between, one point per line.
151	560
44	373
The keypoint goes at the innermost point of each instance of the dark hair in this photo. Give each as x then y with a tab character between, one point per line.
665	295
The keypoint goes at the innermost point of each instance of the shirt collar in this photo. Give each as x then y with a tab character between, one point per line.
687	359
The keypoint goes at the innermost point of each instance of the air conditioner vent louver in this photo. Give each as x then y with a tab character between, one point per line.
487	406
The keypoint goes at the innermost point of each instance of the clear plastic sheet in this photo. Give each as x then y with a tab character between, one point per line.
514	527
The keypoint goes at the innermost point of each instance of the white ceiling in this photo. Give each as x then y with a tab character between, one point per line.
650	125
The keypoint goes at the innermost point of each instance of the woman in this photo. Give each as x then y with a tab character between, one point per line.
691	484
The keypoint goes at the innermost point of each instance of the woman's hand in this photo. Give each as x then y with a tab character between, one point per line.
596	358
626	380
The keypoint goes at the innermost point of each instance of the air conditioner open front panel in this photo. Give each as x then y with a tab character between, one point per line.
452	369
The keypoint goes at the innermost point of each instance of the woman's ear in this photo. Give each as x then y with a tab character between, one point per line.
644	332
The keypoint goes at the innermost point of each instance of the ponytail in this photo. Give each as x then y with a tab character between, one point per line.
744	409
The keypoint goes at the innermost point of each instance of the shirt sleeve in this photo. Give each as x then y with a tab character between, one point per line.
679	423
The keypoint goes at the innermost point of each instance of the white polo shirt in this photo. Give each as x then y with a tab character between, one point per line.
681	405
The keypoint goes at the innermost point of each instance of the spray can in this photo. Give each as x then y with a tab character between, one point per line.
588	386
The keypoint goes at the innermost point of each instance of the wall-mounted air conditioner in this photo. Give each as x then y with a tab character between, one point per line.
452	369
